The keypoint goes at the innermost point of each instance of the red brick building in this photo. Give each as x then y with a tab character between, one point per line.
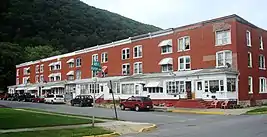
222	58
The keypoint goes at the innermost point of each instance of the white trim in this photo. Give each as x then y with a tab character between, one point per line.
138	48
41	68
261	43
80	62
139	71
183	44
230	37
123	70
125	49
94	56
184	59
248	41
167	42
166	61
70	73
250	59
104	55
261	56
224	58
250	79
70	61
264	86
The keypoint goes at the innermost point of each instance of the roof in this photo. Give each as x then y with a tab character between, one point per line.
140	37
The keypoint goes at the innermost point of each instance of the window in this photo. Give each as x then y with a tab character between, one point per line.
17	72
138	68
175	87
224	58
184	43
58	66
26	71
70	77
184	63
137	51
249	59
126	69
116	88
94	58
51	79
166	49
250	84
25	80
93	88
17	81
248	37
261	43
231	84
78	62
261	61
36	78
199	85
223	37
37	69
41	78
58	78
84	89
155	90
42	68
127	89
166	68
262	85
214	85
125	53
104	57
78	74
71	65
52	67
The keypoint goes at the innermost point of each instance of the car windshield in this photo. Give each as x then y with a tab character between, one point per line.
145	99
59	96
50	96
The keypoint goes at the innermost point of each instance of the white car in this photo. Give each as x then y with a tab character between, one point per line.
54	99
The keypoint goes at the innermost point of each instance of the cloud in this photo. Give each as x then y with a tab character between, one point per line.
174	13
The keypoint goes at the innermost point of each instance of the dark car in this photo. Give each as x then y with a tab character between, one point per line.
13	97
137	103
39	99
82	100
25	97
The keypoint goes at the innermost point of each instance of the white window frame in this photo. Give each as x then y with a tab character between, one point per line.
37	69
17	72
138	68
261	43
94	57
184	63
223	38
139	52
262	62
250	84
125	64
71	65
169	67
224	58
41	68
168	51
41	78
248	38
17	81
78	60
56	68
181	48
104	57
250	60
263	89
125	53
77	75
37	79
59	78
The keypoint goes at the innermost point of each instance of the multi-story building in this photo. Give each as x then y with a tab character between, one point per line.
222	59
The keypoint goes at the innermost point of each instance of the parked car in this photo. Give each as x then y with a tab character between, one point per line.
5	96
53	98
39	99
13	97
25	97
137	103
2	96
82	100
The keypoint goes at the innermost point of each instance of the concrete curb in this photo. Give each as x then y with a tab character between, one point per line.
198	112
114	134
145	129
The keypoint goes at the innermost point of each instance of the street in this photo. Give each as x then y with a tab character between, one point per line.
170	124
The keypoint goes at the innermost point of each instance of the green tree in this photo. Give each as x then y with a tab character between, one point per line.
39	52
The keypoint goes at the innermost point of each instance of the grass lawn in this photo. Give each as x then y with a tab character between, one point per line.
68	114
11	119
258	111
76	132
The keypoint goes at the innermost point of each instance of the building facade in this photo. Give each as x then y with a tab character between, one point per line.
222	58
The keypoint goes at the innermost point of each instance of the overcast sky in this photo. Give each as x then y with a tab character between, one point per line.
173	13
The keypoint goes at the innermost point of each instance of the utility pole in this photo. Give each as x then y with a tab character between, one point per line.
115	109
93	119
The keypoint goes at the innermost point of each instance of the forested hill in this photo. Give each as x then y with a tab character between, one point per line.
34	29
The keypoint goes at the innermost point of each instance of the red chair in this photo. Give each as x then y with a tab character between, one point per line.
225	104
214	103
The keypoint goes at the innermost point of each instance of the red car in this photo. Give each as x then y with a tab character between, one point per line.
137	103
39	99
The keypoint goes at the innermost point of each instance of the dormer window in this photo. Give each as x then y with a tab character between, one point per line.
166	46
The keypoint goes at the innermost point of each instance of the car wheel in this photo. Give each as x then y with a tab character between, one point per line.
38	101
137	108
122	107
52	101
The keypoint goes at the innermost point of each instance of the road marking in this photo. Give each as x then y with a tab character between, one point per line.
165	116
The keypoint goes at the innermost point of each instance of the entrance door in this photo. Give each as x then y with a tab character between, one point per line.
188	89
199	89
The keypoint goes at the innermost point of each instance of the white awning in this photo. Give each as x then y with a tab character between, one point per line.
165	43
20	88
51	75
70	73
32	88
153	84
46	88
57	63
58	86
166	61
27	68
57	74
51	64
70	60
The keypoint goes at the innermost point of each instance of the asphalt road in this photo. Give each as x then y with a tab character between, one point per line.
171	124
